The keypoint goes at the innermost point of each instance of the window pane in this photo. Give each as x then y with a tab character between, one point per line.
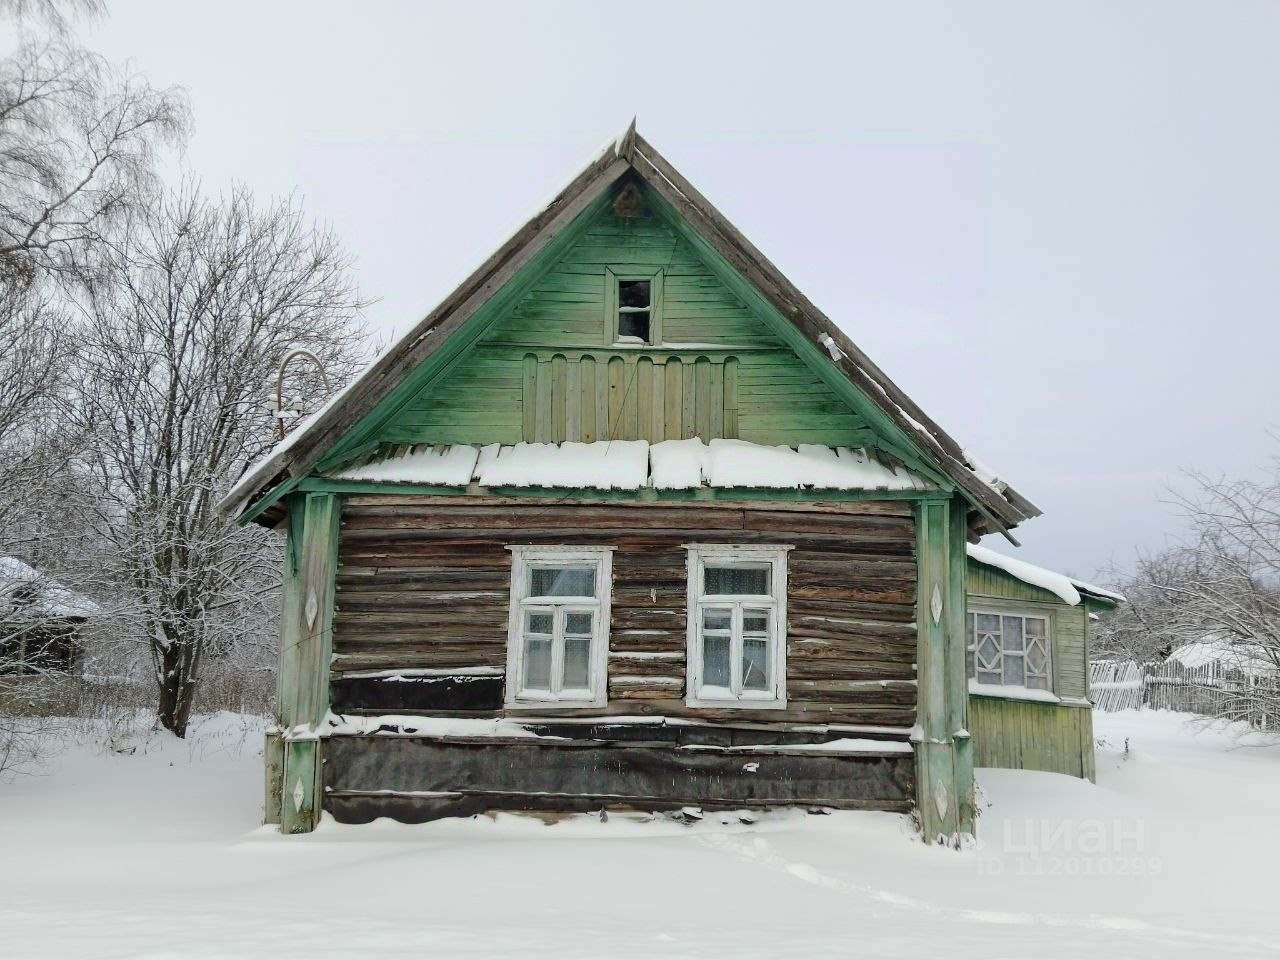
633	293
1012	627
1013	671
715	661
988	623
753	579
577	623
717	618
987	677
538	623
755	621
537	663
1035	627
1036	660
577	662
1038	683
988	653
755	665
562	581
634	324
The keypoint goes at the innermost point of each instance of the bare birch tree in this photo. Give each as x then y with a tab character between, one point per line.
196	305
77	148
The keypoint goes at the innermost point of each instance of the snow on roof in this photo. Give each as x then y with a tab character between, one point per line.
261	470
1236	654
1067	589
635	464
24	588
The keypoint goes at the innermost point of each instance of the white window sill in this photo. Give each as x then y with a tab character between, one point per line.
1012	693
554	704
733	703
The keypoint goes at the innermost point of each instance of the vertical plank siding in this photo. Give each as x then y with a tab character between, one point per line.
1024	735
423	583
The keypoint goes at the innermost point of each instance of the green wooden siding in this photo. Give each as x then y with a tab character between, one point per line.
1024	735
1068	625
545	370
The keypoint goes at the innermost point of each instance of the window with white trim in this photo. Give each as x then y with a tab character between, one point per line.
558	631
633	307
737	626
1009	649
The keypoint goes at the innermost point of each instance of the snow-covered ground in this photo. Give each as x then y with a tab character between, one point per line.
158	855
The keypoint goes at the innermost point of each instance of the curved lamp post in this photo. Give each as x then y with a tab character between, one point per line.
296	352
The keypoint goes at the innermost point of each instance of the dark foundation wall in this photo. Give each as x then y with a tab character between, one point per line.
414	779
424	583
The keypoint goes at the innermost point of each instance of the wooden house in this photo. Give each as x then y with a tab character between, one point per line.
626	520
1028	645
41	622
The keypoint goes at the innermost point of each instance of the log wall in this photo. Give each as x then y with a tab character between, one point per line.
423	583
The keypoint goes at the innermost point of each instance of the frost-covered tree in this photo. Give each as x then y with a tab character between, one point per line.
183	330
77	147
1220	583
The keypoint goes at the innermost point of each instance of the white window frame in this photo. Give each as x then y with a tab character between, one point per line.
524	558
699	555
1024	615
612	279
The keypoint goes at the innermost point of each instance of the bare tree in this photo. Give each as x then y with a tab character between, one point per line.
182	336
1221	583
77	144
54	14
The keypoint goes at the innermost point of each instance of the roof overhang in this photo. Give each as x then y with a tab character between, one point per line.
996	505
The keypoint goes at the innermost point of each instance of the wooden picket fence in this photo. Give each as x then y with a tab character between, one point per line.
1211	689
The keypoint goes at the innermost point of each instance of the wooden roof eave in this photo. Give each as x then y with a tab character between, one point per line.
280	474
743	256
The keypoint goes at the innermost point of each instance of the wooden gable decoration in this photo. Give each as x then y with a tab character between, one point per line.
521	351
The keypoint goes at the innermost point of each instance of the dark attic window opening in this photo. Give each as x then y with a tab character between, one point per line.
634	308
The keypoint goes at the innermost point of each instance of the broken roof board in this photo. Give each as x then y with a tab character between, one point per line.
430	347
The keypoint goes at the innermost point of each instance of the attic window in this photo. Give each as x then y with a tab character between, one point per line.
634	308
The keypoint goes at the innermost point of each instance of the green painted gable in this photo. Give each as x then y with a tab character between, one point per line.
546	366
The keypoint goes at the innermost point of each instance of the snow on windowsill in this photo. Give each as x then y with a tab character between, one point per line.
1012	693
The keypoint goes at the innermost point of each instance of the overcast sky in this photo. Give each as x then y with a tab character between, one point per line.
1057	226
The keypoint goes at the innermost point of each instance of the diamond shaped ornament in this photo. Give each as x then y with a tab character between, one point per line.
311	608
299	794
941	801
935	605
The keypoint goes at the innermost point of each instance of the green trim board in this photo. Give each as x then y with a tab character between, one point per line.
306	649
944	772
